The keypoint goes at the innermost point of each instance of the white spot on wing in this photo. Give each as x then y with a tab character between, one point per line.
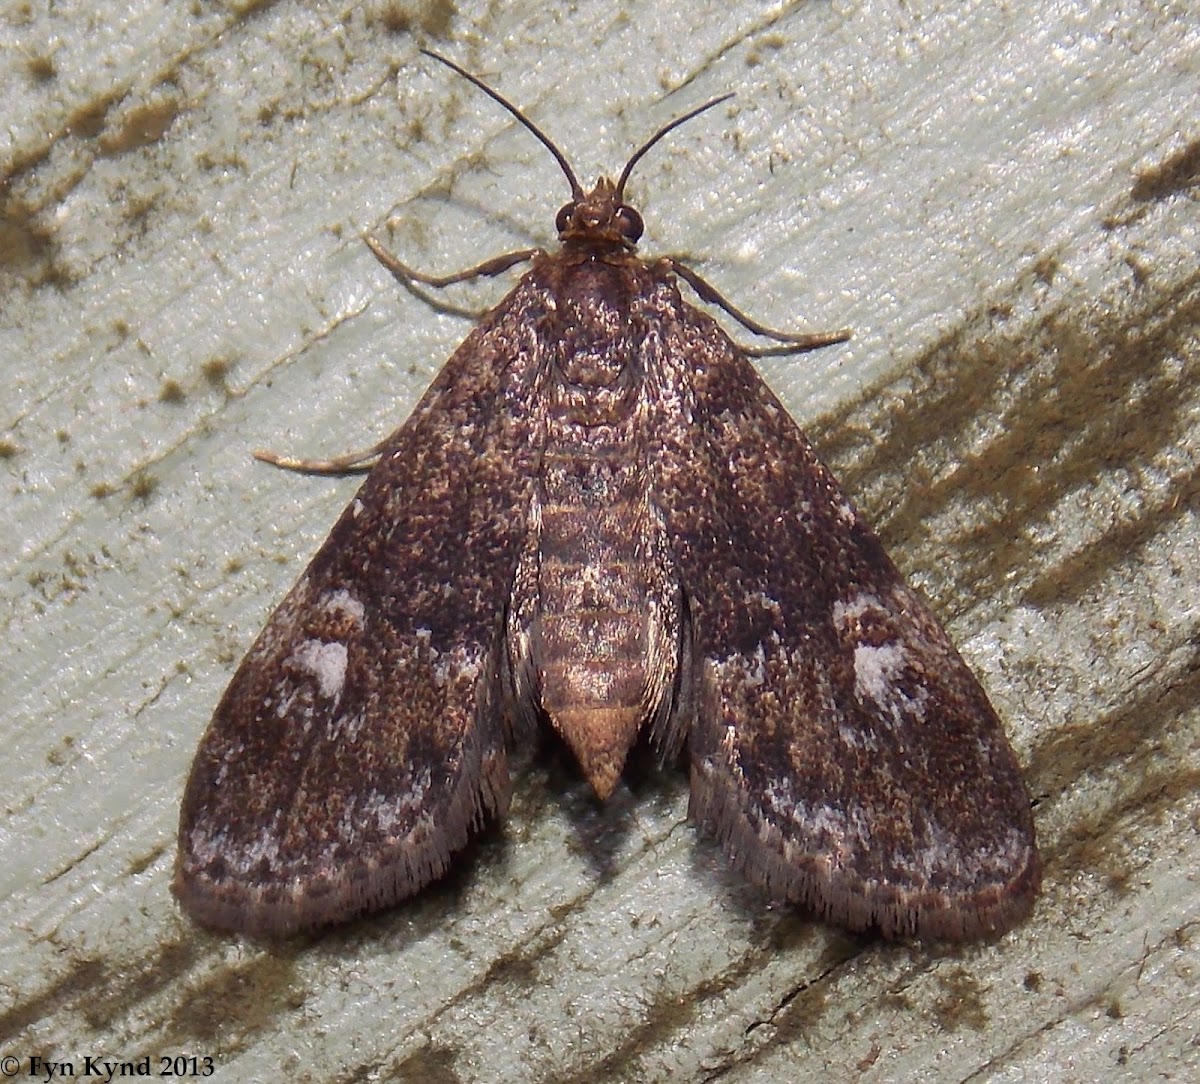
879	668
326	662
877	674
876	670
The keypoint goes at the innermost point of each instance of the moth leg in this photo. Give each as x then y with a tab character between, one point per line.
796	343
497	265
341	464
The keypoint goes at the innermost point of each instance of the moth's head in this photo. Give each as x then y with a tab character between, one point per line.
599	216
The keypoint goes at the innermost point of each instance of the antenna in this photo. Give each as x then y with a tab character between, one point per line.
659	134
559	157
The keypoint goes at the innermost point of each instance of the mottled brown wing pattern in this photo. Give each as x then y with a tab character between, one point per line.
362	737
841	750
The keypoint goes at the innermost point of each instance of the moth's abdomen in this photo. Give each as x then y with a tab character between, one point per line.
605	635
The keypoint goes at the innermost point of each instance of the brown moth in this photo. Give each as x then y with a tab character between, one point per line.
599	518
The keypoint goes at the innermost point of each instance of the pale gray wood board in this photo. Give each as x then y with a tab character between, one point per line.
1000	199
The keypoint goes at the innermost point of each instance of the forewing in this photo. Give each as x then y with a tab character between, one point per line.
362	738
841	750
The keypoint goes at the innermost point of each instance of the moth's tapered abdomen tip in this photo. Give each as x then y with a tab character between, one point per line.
600	739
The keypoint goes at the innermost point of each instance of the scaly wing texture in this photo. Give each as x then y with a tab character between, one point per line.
362	739
841	750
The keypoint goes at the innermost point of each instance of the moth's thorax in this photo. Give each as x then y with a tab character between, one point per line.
596	331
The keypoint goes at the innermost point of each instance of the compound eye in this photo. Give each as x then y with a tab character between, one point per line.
629	222
563	219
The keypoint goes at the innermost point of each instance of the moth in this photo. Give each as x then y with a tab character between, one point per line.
600	519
